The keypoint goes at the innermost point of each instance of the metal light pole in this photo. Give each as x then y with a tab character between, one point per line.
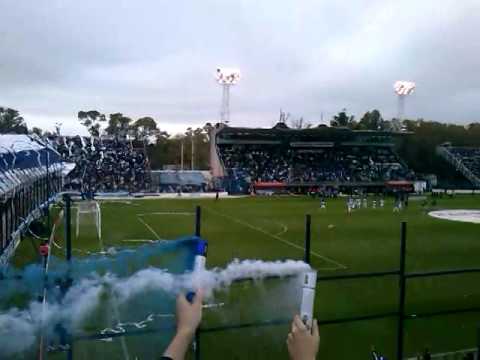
181	155
226	77
193	154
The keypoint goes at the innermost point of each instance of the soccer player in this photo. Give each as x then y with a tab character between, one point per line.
323	204
349	206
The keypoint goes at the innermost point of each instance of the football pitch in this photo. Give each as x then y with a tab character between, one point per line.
272	228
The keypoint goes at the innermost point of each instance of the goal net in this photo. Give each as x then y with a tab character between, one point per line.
88	220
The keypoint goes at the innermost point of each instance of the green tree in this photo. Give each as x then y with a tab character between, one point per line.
118	125
146	128
92	121
372	120
300	123
343	120
419	148
207	129
11	122
167	150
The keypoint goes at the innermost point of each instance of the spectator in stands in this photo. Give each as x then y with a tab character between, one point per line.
301	342
266	163
103	165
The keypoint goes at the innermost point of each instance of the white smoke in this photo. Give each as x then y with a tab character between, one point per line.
150	279
210	280
19	328
18	331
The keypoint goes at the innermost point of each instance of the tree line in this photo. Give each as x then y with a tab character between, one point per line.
162	147
418	149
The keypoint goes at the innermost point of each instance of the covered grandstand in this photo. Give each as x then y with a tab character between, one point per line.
284	159
466	160
30	177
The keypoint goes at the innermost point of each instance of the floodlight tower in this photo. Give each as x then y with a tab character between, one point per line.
226	77
403	89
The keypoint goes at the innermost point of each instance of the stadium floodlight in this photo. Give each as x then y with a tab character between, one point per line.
226	77
403	89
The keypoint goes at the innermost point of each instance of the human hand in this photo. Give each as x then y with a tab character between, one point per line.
301	342
189	314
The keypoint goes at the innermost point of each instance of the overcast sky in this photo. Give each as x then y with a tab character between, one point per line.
310	58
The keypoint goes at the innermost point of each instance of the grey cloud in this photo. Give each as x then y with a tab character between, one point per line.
310	57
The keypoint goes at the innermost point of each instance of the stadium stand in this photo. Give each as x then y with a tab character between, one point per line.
179	180
309	157
103	165
464	159
30	177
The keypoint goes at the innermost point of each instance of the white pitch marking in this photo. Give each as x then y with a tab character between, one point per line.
283	226
149	228
276	237
445	354
180	213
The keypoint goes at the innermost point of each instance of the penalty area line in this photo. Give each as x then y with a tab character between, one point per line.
149	228
179	213
339	266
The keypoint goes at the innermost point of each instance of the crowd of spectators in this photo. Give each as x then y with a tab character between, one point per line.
273	163
103	165
470	157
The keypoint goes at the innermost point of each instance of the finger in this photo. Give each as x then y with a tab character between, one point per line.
289	344
315	331
198	299
181	299
293	328
289	338
299	323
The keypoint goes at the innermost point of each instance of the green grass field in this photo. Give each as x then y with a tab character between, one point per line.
271	229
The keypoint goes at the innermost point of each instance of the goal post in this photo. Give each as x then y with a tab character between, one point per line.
88	219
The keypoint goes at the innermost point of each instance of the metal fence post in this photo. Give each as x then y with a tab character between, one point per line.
308	236
198	220
48	187
478	343
68	223
70	350
68	256
401	292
